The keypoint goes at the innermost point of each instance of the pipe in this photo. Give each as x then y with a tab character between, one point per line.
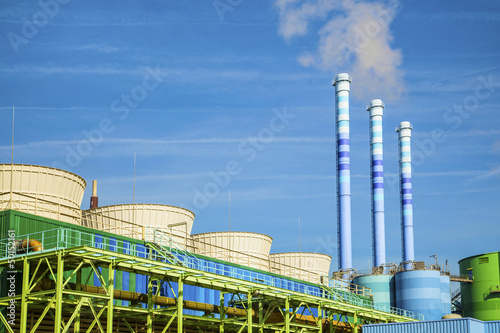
31	245
275	317
405	186
376	110
94	200
342	84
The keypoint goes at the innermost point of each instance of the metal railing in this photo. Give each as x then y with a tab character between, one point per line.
61	238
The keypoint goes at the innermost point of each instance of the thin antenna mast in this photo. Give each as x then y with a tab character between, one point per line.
133	195
12	159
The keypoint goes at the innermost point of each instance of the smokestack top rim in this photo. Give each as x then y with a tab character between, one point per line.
404	125
375	103
341	77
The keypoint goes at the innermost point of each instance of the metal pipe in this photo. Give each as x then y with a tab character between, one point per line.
342	84
405	186
376	110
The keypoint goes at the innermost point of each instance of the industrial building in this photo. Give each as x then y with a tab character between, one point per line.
138	267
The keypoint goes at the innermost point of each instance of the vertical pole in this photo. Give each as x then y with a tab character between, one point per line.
249	312
376	110
180	304
261	317
59	283
342	85
12	160
24	298
405	187
111	288
149	319
320	319
287	315
78	287
356	326
222	312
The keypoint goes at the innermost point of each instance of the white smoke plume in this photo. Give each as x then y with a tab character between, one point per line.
353	37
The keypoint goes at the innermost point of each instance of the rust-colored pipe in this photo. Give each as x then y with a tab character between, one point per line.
275	317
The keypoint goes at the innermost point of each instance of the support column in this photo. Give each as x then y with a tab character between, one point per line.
149	319
180	304
59	289
111	288
287	315
222	312
249	312
76	327
24	298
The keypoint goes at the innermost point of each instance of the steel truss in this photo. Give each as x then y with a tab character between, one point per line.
50	303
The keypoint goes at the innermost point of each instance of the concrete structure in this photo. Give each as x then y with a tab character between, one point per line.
376	110
244	248
305	266
41	190
132	220
342	84
408	252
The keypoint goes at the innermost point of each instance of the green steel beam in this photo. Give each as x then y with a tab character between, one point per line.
180	303
75	259
59	288
24	295
111	285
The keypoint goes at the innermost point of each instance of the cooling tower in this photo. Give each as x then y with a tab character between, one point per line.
40	190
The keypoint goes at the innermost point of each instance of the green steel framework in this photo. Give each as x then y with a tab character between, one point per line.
258	301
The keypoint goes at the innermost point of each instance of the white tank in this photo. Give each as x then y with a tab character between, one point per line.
43	191
305	266
132	219
243	248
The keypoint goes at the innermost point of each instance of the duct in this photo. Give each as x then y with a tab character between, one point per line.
376	110
404	131
342	84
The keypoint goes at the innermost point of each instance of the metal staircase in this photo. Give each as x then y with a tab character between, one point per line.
164	247
456	301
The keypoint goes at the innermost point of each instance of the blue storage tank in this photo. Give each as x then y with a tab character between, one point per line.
445	295
382	287
419	291
462	325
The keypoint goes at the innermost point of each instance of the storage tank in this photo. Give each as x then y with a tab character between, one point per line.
445	295
132	220
243	248
419	291
305	266
383	289
481	299
43	191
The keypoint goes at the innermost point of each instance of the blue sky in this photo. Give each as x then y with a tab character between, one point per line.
243	88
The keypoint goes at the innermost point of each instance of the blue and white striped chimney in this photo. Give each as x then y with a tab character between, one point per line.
404	131
376	109
342	85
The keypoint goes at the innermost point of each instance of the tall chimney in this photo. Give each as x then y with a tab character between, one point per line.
342	85
94	200
376	109
404	131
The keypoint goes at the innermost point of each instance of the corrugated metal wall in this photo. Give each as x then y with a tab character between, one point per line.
463	325
492	327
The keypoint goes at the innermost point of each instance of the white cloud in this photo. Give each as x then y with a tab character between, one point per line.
355	38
